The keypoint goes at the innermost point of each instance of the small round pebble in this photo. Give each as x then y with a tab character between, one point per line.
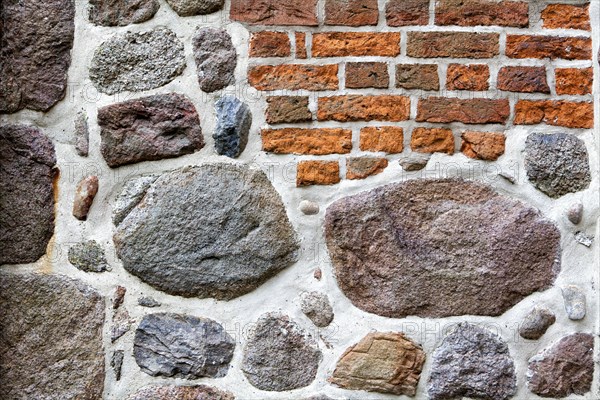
309	207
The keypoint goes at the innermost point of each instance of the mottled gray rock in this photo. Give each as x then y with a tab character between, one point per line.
557	163
234	120
51	338
149	128
149	302
575	303
414	162
188	8
218	230
82	134
84	197
215	57
308	207
575	213
36	37
198	392
88	256
472	362
278	344
121	324
131	194
316	306
121	13
436	248
182	346
27	193
137	61
565	368
536	323
584	239
116	362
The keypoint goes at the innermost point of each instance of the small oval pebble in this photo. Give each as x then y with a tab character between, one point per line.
308	207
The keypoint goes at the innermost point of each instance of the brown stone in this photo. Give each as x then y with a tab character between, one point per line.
406	13
351	12
432	140
417	76
523	79
555	112
482	12
367	75
388	139
287	109
487	146
453	44
270	44
384	362
468	77
197	392
122	13
467	111
363	167
316	141
566	16
274	12
364	108
294	77
84	197
552	47
301	45
356	44
317	173
575	81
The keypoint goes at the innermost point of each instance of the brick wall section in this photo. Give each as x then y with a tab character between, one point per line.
401	79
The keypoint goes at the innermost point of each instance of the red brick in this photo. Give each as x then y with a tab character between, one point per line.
275	12
388	139
482	12
347	44
556	16
417	76
367	75
364	108
270	44
363	167
558	113
301	45
406	13
351	12
575	81
552	47
294	77
468	77
317	141
287	109
487	146
467	111
523	79
453	44
317	173
432	140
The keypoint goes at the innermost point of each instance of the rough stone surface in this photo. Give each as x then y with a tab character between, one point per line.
432	140
487	146
121	13
557	163
149	302
575	213
351	12
269	44
275	12
362	75
287	109
118	297
565	368
215	57
584	239
27	174
234	120
406	13
84	197
51	338
474	77
188	8
571	114
116	362
121	324
198	392
319	172
294	77
363	167
436	248
137	61
389	139
36	38
232	232
536	323
381	362
356	44
278	344
316	306
551	47
348	108
414	162
453	44
88	257
307	207
575	303
417	76
523	79
132	193
182	346
482	12
82	134
318	141
149	128
575	81
472	362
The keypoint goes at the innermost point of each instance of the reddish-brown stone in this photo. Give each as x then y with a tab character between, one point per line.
487	146
406	13
287	109
270	44
301	45
566	16
468	77
552	47
558	113
417	76
307	141
575	81
275	12
84	197
523	79
453	44
388	139
317	173
351	12
361	75
364	108
363	167
356	44
432	140
467	111
482	12
294	77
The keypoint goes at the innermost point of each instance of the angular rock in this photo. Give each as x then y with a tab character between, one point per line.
318	274
131	194
27	174
215	57
82	134
36	38
584	239
317	308
575	303
149	128
565	368
536	323
234	120
121	324
487	146
307	207
188	8
149	302
84	197
436	248
121	13
116	362
472	362
137	61
363	167
197	392
575	213
51	340
218	230
413	162
557	163
278	344
88	257
182	346
381	362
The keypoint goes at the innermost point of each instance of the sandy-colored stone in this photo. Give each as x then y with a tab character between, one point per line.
432	140
388	139
317	173
488	146
316	306
356	44
307	141
196	392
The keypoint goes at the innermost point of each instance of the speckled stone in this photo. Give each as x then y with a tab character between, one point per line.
188	8
120	12
197	392
316	307
536	323
575	302
88	257
215	57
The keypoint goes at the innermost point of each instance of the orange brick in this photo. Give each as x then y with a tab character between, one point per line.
558	113
270	44
301	45
347	44
307	141
487	146
552	47
482	12
566	16
575	81
432	140
317	173
468	77
294	77
364	108
388	139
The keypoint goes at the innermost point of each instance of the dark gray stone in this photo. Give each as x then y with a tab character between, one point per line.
88	257
316	306
182	346
51	338
121	13
149	302
131	194
557	163
217	230
198	392
188	8
137	61
27	175
215	57
278	344
472	362
116	362
536	323
82	134
234	120
414	162
575	303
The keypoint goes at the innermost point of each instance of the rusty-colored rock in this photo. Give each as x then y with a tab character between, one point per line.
317	173
570	114
269	44
432	140
482	12
523	79
552	47
417	76
351	12
389	139
566	16
317	141
301	51
453	44
287	109
84	197
364	108
487	146
363	167
406	13
362	75
467	111
575	81
274	12
356	44
473	77
294	77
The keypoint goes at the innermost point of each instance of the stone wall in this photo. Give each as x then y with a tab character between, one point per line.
326	199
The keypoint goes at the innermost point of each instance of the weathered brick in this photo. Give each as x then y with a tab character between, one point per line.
364	108
468	77
388	139
367	75
351	12
406	13
487	146
467	111
317	173
482	12
417	76
313	141
294	77
275	12
556	16
270	44
432	140
575	81
558	113
363	167
287	109
453	44
348	44
553	47
301	45
523	79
